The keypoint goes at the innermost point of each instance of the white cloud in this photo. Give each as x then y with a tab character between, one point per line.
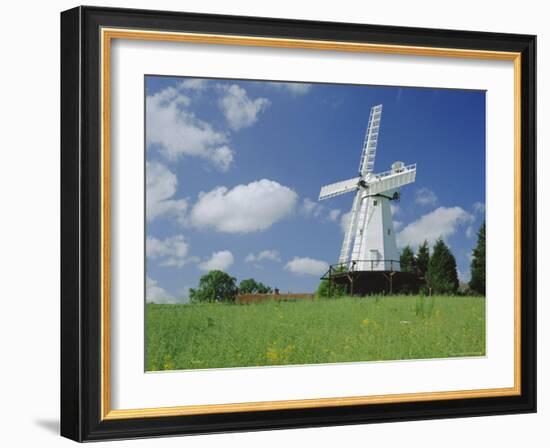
479	208
470	232
397	224
245	208
239	110
161	185
344	221
334	214
171	251
183	294
294	88
425	196
312	208
219	260
222	157
271	255
306	266
394	209
178	132
194	84
464	277
155	294
442	222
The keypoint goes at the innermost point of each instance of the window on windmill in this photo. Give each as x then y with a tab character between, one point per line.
375	202
389	231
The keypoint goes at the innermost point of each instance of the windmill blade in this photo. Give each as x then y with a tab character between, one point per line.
366	164
360	227
390	180
338	188
351	228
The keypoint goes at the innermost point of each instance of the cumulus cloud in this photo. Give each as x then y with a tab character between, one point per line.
479	208
161	185
470	232
245	208
219	260
425	196
239	110
222	157
172	251
183	294
178	132
463	276
307	266
394	209
294	88
271	255
334	214
194	84
155	294
312	208
442	222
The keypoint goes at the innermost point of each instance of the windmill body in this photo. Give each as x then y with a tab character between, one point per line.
369	242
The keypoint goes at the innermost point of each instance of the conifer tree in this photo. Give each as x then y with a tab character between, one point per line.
442	274
477	267
407	260
422	259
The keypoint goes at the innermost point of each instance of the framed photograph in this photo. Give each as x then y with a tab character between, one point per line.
276	224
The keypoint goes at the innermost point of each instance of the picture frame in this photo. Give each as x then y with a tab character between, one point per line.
86	279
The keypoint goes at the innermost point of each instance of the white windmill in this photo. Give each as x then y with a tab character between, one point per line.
369	243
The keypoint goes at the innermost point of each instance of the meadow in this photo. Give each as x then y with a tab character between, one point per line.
350	329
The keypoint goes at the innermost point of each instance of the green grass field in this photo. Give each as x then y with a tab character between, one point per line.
348	329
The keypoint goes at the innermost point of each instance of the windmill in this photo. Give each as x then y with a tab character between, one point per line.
369	242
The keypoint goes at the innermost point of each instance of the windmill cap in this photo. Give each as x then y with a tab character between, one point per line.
397	166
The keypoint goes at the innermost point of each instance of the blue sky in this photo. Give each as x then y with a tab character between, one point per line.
234	170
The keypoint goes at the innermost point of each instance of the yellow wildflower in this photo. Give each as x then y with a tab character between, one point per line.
168	363
272	355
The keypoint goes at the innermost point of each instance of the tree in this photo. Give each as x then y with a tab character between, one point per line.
423	259
251	286
407	260
477	267
216	286
442	275
335	290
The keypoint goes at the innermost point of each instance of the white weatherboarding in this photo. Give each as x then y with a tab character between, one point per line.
369	243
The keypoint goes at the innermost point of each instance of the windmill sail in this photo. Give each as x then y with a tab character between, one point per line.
351	228
391	180
338	188
366	164
362	219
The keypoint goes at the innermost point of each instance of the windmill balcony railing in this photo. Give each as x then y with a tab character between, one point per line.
371	265
404	169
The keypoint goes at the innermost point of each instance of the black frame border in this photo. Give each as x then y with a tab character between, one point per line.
81	224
